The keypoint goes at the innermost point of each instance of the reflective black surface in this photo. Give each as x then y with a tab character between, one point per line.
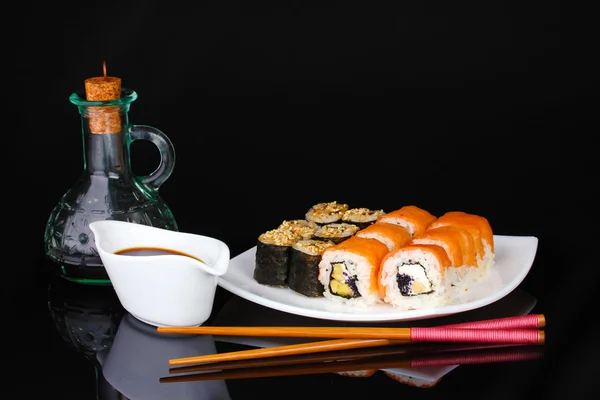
95	349
472	106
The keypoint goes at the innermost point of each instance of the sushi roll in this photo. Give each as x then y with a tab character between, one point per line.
326	213
272	257
445	238
460	249
336	232
458	243
392	235
303	228
303	272
348	271
414	277
362	217
413	218
479	228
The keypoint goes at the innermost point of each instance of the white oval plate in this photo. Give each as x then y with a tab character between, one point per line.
514	258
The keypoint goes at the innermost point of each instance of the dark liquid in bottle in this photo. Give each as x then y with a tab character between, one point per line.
153	251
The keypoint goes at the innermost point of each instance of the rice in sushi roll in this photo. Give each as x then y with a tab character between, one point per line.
362	217
392	235
336	232
272	257
303	272
326	213
413	218
414	277
348	271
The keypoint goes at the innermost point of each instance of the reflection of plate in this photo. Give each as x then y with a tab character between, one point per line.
514	257
240	312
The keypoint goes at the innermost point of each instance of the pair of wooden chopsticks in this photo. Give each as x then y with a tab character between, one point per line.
510	330
356	360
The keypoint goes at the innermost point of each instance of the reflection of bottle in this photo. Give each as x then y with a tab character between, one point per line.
86	317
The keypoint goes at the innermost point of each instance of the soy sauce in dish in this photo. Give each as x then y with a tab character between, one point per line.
153	251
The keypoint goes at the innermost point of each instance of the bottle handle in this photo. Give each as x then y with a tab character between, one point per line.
166	150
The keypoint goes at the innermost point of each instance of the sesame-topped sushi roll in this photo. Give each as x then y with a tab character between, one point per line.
303	273
413	218
348	271
362	217
392	235
336	232
326	213
272	257
303	228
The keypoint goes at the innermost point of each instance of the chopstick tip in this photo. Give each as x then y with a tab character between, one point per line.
541	320
541	337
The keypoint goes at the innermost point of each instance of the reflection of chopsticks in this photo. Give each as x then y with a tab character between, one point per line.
339	355
510	330
278	359
474	356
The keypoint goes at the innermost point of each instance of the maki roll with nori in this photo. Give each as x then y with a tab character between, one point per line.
272	257
362	217
303	274
301	227
326	213
336	232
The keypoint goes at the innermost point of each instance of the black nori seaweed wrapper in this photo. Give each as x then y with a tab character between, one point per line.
334	239
323	223
361	225
271	266
303	275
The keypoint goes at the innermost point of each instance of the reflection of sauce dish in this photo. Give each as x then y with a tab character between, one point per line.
86	316
138	358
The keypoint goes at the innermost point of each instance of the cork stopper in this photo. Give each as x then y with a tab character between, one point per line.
103	120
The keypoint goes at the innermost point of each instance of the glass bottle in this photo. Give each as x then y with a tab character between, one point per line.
107	189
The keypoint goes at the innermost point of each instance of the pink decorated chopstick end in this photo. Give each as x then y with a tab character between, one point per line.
457	335
531	321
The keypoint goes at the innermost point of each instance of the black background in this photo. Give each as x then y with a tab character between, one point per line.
471	106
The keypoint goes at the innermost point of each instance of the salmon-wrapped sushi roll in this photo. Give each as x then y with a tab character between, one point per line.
458	243
348	271
414	277
479	228
459	246
392	235
413	218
